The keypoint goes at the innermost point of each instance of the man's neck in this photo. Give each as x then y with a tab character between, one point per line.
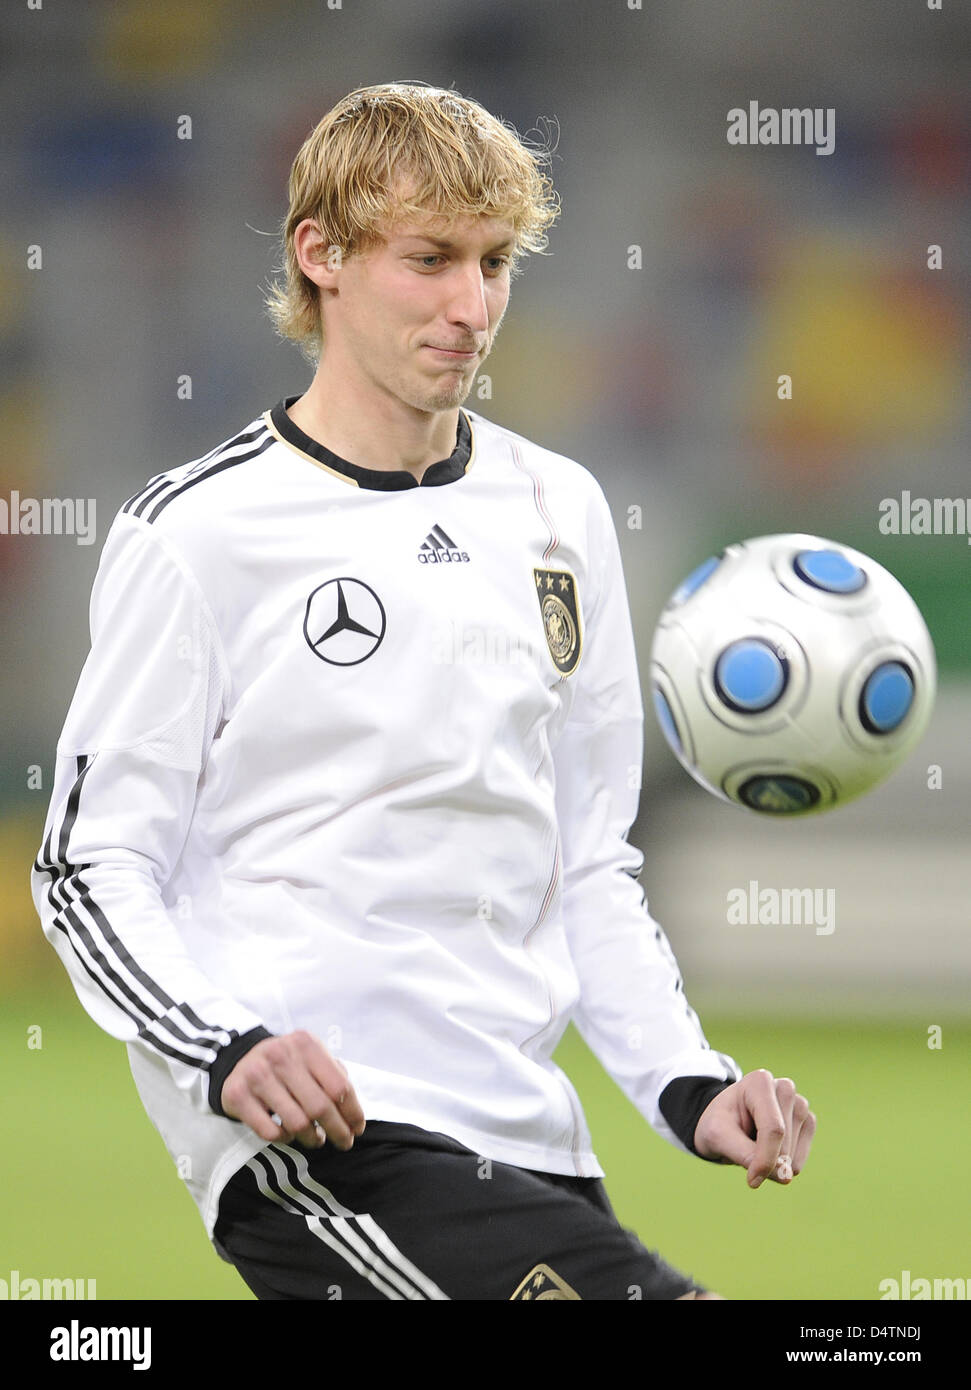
384	434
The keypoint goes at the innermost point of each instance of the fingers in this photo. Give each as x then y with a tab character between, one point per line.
348	1103
760	1123
768	1120
785	1094
291	1087
784	1162
800	1128
804	1137
238	1104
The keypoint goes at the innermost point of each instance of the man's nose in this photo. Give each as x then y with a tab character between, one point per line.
468	300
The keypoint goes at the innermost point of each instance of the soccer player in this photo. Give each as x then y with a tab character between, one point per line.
339	829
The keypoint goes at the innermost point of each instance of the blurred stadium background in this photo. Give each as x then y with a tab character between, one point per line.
753	262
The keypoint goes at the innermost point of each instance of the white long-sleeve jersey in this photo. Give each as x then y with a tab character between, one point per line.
360	756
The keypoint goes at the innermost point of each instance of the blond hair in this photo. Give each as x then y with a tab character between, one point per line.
400	149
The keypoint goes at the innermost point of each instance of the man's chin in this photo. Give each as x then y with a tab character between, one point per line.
445	397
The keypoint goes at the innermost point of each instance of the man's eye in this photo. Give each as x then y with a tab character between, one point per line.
494	264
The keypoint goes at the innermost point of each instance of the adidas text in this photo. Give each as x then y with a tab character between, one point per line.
443	557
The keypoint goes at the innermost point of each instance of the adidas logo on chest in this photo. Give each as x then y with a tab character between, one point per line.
438	548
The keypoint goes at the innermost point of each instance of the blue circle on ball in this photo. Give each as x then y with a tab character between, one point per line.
666	720
695	579
750	675
886	698
778	794
829	570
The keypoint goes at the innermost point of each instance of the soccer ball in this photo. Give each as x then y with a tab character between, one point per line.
791	674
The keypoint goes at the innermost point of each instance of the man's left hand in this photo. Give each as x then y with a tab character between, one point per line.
760	1123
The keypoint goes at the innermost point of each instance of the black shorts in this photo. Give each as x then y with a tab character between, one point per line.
406	1214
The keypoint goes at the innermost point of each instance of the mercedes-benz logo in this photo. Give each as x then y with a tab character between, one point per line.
345	621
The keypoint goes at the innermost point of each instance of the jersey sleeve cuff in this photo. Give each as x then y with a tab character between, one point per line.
684	1100
225	1062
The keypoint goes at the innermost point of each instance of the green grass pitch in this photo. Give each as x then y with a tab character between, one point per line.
89	1192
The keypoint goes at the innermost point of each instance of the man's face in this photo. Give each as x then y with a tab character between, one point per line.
415	316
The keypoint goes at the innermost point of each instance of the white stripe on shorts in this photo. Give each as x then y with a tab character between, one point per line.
384	1266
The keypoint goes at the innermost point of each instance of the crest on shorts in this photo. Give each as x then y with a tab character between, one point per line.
556	591
541	1282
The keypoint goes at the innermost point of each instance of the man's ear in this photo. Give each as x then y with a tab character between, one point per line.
319	262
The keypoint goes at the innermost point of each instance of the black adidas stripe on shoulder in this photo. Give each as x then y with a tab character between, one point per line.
261	448
165	487
158	479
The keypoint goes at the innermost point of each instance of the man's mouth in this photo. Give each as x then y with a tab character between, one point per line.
453	352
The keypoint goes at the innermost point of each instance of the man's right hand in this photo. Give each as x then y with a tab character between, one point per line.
295	1078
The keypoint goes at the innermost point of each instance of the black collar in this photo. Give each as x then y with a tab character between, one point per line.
385	480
